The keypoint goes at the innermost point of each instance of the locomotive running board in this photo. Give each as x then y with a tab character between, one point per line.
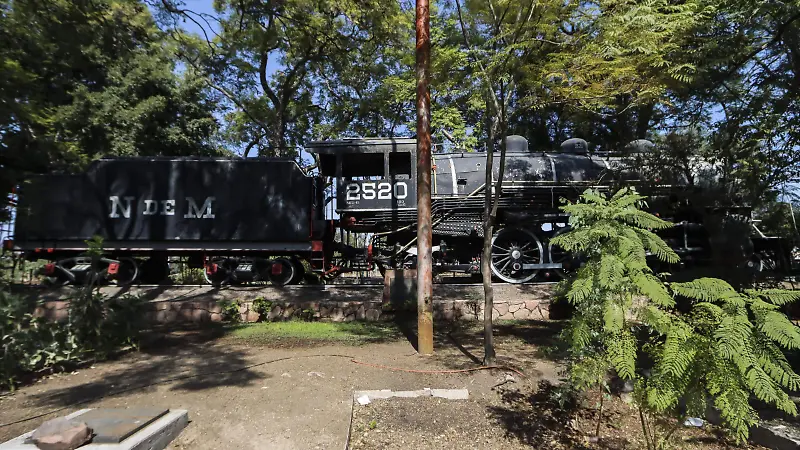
542	266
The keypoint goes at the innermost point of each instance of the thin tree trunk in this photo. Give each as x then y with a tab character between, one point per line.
599	414
486	256
490	212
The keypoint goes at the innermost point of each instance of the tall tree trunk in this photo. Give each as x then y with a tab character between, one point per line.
488	225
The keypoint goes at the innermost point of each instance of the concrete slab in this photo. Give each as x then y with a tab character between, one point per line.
155	436
113	425
776	434
450	394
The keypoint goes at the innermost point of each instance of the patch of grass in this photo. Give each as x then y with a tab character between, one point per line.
265	333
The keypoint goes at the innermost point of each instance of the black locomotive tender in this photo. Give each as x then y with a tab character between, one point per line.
260	219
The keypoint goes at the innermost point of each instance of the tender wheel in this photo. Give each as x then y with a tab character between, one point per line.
55	275
512	248
217	272
570	263
127	272
299	271
282	272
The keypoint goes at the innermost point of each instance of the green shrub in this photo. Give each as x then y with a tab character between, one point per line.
124	321
96	327
230	310
727	347
29	343
262	306
306	314
188	275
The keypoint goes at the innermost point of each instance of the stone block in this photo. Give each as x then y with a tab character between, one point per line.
521	314
186	315
216	317
252	316
500	309
166	316
161	306
337	315
200	304
514	307
200	316
325	312
289	311
275	312
360	312
350	318
243	308
373	314
531	305
215	309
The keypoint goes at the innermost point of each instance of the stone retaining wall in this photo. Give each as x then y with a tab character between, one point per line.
201	304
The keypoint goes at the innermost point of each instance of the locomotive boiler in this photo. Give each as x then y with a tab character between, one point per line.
376	194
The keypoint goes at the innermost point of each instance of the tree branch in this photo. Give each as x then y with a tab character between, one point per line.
775	38
262	76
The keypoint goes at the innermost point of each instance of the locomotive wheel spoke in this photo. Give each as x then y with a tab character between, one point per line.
500	261
512	249
501	248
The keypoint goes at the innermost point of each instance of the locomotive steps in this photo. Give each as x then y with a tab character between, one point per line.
203	304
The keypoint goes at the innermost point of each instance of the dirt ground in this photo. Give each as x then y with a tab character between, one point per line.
512	421
292	395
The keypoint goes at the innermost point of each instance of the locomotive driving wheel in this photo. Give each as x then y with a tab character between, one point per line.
512	250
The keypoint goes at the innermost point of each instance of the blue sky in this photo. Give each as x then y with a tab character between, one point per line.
201	7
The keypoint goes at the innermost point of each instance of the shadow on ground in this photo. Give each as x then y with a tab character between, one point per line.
520	344
540	419
182	358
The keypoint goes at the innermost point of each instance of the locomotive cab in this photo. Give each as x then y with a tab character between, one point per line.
371	175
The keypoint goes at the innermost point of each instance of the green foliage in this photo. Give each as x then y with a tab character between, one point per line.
186	275
123	322
262	306
31	343
81	80
306	314
727	347
230	310
269	333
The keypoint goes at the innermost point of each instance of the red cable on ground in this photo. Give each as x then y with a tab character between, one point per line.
380	366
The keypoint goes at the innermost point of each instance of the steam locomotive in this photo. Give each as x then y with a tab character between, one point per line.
261	219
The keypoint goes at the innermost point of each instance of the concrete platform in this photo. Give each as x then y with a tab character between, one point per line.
155	436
